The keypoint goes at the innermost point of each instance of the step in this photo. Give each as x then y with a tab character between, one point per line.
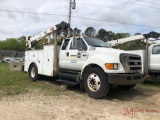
67	82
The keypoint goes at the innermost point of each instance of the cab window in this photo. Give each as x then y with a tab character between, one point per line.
79	44
156	49
64	46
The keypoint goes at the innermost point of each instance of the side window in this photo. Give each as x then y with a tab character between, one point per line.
156	49
64	46
79	45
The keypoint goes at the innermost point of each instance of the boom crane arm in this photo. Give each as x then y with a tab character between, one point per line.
33	40
134	38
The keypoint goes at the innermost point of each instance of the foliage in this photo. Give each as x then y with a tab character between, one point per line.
20	44
112	35
39	45
134	45
102	34
90	32
76	31
13	44
105	35
122	35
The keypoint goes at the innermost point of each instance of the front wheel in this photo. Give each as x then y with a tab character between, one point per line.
95	83
33	73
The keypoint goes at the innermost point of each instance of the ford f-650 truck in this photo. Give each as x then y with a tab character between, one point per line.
87	61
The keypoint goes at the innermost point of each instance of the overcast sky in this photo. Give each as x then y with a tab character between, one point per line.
141	13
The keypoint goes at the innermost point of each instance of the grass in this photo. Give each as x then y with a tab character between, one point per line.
152	82
15	82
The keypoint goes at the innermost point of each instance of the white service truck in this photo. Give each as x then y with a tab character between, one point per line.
87	61
150	56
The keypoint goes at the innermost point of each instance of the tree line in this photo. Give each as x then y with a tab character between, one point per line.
19	44
109	35
13	44
104	34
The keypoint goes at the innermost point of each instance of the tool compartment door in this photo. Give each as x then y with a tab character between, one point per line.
48	57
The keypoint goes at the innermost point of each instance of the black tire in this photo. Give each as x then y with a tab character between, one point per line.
33	73
96	83
126	87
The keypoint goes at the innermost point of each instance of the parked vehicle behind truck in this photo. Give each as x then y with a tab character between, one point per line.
150	56
87	61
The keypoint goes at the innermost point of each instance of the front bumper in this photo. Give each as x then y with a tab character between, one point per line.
125	79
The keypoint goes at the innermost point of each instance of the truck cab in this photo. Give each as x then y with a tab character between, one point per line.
75	52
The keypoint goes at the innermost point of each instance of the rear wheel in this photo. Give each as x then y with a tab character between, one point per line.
126	87
95	83
33	73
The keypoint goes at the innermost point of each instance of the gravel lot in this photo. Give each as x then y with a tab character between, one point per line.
142	102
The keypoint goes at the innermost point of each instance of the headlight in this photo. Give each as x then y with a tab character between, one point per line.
112	66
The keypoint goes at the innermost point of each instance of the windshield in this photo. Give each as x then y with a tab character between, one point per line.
96	42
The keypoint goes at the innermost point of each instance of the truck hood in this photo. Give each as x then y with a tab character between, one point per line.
112	51
107	53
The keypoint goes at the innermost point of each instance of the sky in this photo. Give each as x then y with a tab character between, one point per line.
128	16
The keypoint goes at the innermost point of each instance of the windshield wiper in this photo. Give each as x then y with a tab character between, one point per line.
99	46
96	46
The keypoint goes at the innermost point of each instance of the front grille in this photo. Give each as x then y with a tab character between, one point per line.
131	63
134	58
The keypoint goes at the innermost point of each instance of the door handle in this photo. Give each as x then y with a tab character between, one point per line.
67	53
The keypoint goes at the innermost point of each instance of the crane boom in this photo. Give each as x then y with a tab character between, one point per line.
33	40
134	38
124	40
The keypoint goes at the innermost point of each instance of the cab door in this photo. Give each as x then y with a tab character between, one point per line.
155	58
76	55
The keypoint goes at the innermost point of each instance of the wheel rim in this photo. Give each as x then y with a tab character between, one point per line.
93	82
33	72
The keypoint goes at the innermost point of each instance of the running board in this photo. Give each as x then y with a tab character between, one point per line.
67	82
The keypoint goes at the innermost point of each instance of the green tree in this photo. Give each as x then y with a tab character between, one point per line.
102	34
106	35
21	43
13	44
90	32
77	31
9	44
122	35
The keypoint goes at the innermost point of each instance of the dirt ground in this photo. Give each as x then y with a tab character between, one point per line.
141	103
